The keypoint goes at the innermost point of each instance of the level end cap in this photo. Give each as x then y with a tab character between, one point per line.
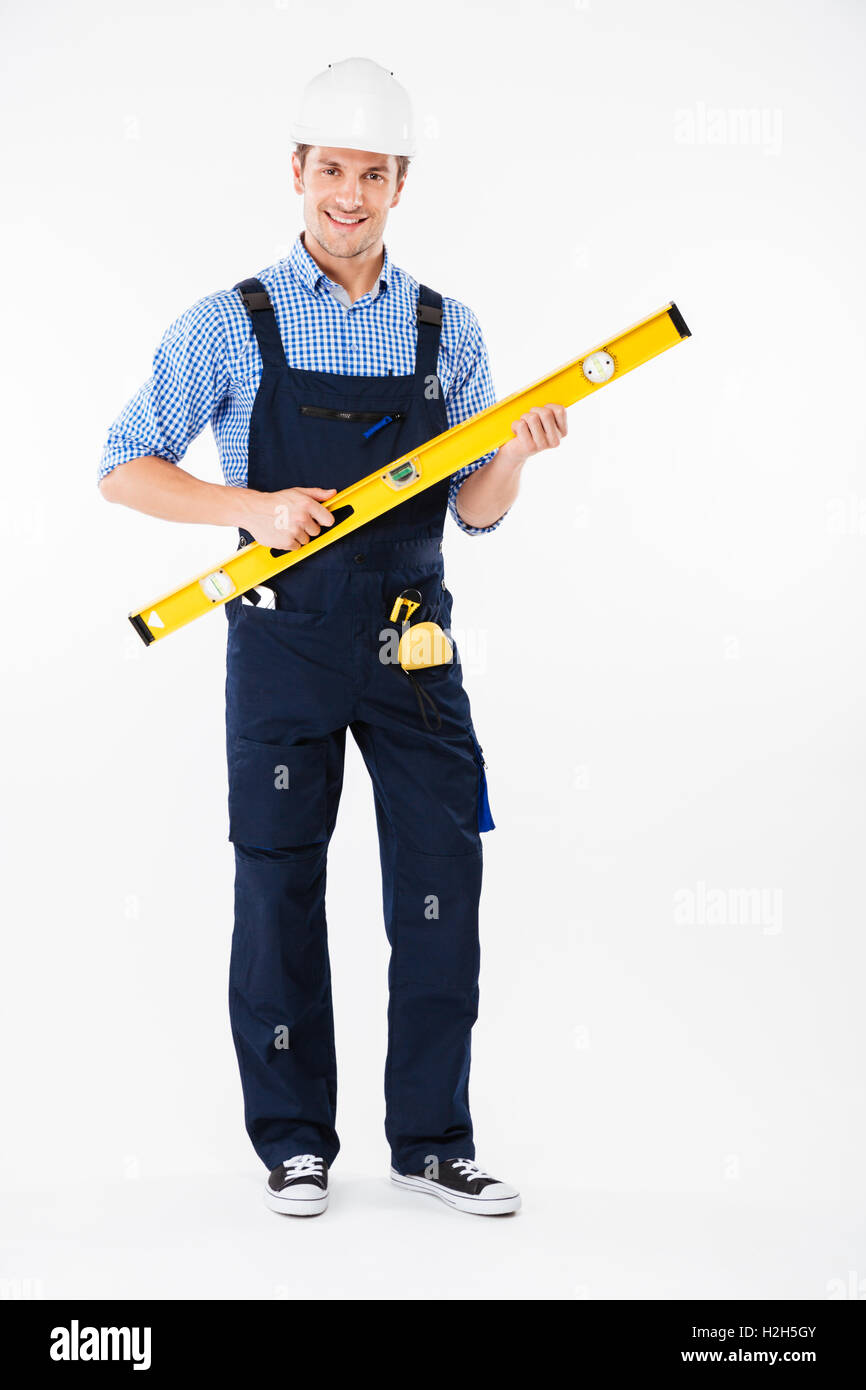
142	628
679	322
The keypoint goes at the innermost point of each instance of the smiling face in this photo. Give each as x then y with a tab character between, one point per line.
347	197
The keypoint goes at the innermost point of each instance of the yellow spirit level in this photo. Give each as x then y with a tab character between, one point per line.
428	464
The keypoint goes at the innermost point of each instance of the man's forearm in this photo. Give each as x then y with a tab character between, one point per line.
153	485
487	494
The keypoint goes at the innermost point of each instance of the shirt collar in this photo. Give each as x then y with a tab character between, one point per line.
309	273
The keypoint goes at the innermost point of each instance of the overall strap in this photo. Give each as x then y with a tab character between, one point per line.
264	321
429	317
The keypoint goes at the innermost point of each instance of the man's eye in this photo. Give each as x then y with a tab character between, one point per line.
372	176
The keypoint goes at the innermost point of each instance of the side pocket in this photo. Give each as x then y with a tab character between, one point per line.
485	818
277	794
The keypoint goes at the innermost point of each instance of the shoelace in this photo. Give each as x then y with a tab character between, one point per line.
303	1166
470	1168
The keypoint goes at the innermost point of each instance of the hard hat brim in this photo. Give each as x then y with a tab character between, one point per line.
320	135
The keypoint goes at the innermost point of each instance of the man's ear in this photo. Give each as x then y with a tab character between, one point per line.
297	176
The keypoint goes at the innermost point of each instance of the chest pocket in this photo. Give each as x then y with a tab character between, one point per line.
369	424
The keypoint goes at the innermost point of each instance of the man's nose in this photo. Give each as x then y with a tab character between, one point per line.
350	196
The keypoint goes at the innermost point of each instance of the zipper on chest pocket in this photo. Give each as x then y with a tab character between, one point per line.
374	418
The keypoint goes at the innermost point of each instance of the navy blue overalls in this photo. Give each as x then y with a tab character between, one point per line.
298	676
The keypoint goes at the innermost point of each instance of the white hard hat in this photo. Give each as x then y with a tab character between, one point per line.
356	105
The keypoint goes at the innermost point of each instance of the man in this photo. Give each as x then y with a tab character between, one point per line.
317	372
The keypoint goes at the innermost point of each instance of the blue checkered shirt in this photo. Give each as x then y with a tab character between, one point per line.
208	365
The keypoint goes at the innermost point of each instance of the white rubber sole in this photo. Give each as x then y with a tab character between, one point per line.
296	1206
476	1206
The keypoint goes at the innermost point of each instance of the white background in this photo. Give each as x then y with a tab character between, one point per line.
663	646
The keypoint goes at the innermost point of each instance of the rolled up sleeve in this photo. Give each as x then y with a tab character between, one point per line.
471	392
190	377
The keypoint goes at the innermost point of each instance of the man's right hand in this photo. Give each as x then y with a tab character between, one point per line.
283	520
288	519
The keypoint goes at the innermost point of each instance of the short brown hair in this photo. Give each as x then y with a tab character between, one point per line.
402	160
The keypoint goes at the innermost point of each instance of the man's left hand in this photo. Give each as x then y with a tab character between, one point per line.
543	427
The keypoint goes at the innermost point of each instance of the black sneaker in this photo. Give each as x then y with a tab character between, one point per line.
462	1184
298	1186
